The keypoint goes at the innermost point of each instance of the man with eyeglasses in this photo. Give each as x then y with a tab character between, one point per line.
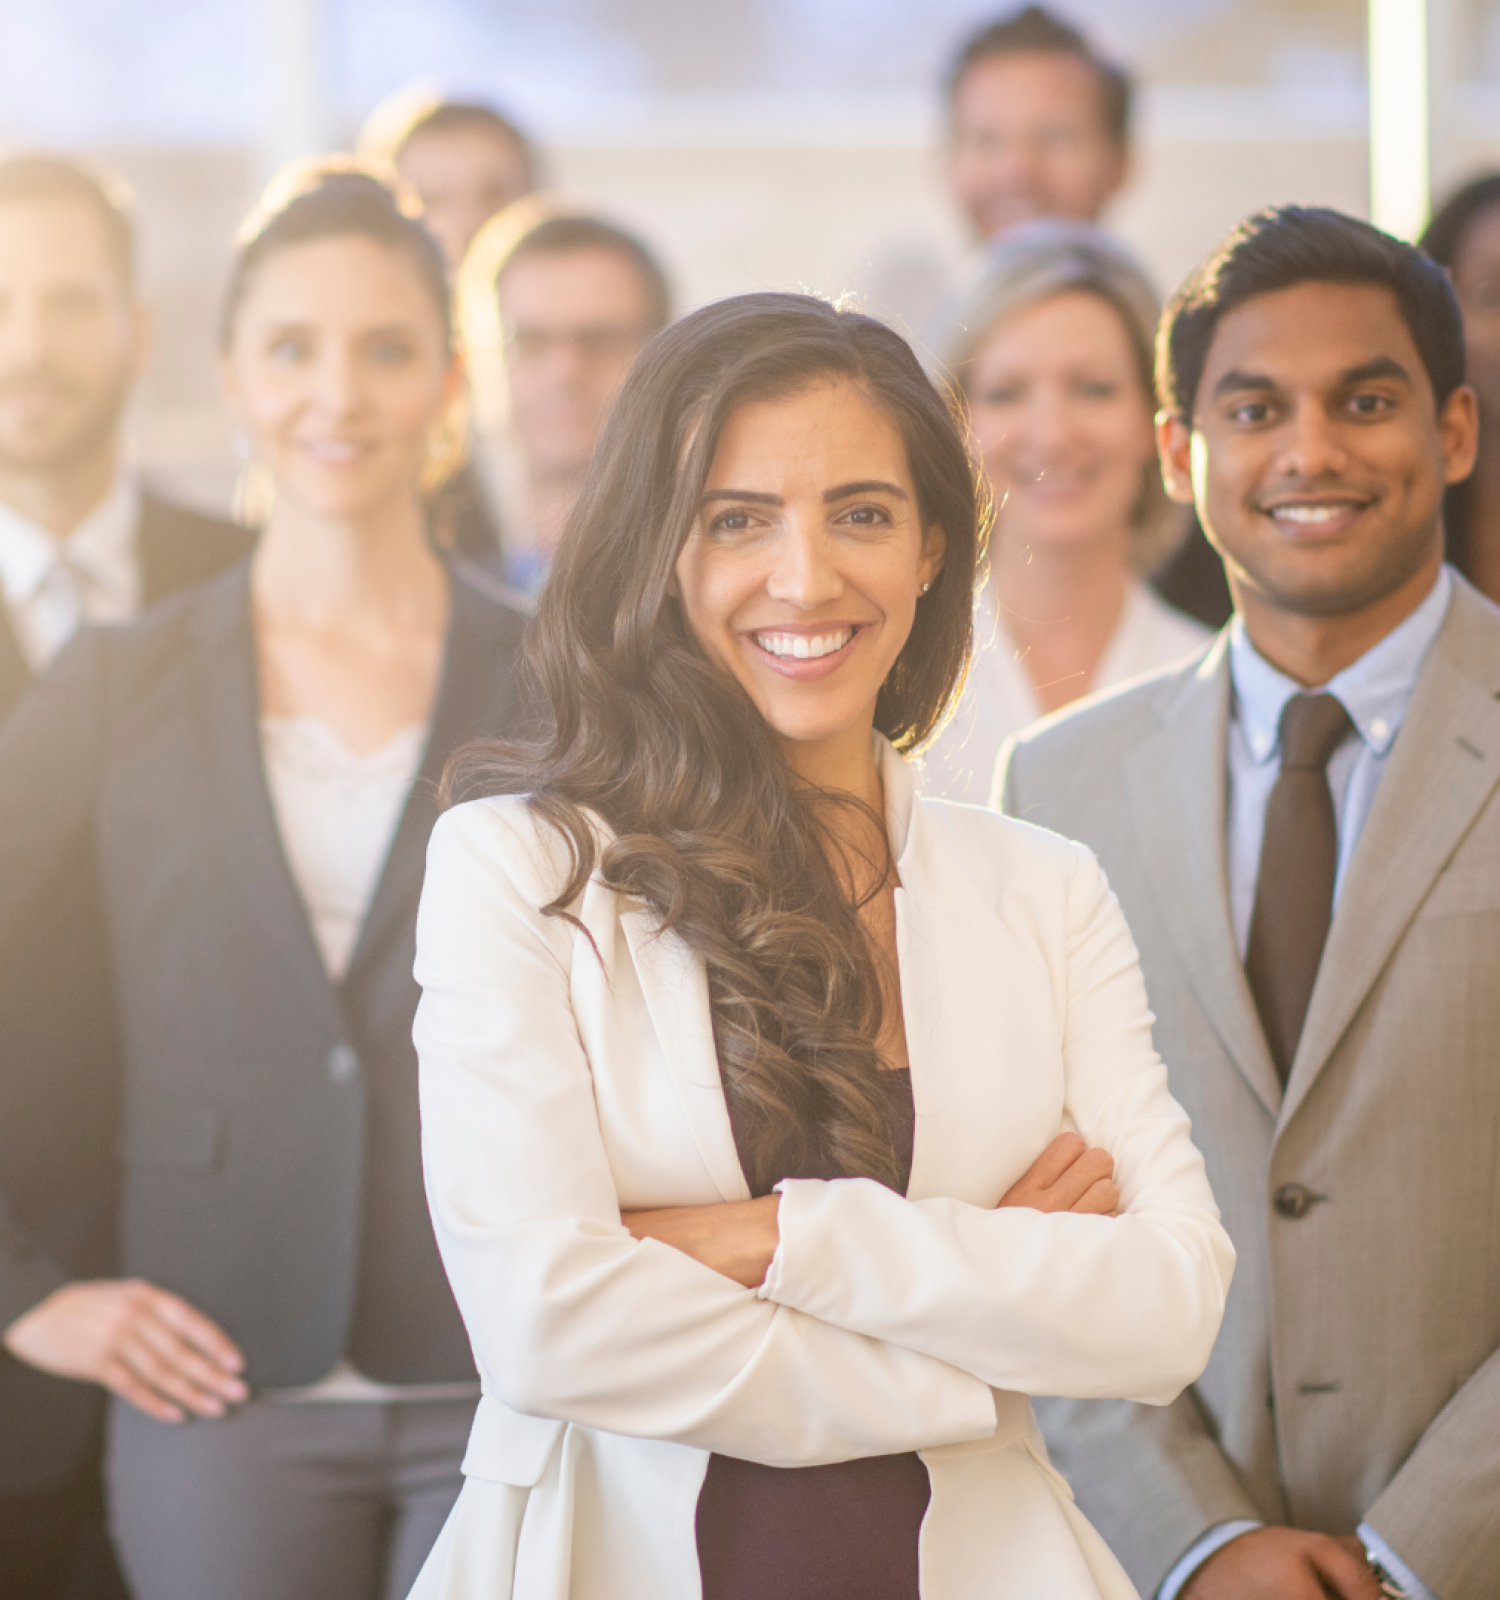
570	299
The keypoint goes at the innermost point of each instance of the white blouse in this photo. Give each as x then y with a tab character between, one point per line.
337	812
999	698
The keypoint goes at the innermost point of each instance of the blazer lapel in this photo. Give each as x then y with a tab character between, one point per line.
246	836
676	993
1444	766
476	696
1177	788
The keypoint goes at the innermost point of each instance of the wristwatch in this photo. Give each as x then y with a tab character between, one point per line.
1389	1588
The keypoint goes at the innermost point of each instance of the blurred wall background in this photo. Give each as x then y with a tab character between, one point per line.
771	144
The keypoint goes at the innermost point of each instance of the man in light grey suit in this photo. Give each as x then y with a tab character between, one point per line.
1303	827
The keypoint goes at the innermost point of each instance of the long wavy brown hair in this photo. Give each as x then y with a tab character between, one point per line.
707	825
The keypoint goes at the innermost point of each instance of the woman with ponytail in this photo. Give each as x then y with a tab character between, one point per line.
783	1131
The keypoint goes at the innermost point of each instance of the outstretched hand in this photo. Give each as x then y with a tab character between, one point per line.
1068	1176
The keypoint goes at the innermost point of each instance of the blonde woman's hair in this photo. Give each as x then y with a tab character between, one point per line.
1038	262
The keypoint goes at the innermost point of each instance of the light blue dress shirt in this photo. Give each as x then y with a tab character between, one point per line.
1376	691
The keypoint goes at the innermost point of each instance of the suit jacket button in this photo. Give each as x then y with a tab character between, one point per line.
343	1064
1293	1200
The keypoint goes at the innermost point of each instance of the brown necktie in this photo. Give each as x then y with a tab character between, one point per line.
1299	859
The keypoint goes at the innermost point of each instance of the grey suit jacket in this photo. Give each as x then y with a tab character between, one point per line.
1357	1375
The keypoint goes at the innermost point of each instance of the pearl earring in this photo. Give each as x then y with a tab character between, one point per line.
926	587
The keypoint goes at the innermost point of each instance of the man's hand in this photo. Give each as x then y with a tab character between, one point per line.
1284	1564
141	1343
1068	1176
737	1238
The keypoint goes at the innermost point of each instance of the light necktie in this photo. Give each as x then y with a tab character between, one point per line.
1298	868
56	610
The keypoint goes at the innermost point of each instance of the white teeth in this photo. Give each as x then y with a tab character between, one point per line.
801	646
1311	515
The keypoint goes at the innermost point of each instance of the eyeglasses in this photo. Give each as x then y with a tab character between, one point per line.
599	342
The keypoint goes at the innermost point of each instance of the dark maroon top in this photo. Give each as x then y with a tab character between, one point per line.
842	1532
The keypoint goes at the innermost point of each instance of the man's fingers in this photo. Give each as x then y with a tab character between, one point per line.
1348	1576
198	1330
187	1361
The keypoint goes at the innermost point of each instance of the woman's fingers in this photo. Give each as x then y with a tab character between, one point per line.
1067	1176
1093	1166
1054	1161
1101	1199
188	1375
200	1331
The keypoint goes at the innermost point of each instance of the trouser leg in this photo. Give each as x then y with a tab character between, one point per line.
273	1502
426	1443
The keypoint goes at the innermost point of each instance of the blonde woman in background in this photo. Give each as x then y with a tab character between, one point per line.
1050	341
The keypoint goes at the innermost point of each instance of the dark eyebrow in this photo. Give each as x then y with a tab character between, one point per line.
1380	367
1234	381
863	486
750	495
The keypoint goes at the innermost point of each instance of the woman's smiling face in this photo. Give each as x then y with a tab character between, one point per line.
803	570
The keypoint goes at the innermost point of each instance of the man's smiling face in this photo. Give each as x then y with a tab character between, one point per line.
1317	454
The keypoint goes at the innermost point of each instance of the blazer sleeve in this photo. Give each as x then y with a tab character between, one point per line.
1126	1307
569	1316
50	751
1441	1512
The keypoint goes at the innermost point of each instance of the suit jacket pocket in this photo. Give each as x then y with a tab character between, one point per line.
507	1446
165	1129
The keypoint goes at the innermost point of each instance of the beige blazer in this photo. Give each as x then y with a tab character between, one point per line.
1357	1375
560	1086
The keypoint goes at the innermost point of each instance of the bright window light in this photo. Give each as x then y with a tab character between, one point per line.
1399	150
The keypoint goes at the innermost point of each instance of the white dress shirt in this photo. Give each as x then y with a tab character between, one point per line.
999	698
337	812
52	586
1376	691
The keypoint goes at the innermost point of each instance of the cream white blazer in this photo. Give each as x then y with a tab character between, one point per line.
560	1086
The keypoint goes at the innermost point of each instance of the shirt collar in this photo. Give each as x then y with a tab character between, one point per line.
102	545
1375	690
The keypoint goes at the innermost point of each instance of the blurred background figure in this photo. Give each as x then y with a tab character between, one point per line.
465	160
1464	236
79	537
1050	340
259	762
555	307
80	540
1039	124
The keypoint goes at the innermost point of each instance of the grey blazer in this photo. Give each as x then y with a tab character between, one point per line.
1357	1375
269	1148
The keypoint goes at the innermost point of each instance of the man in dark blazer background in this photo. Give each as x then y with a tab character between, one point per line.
1303	828
80	540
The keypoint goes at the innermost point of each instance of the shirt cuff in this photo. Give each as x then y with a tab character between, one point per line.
1210	1544
1393	1563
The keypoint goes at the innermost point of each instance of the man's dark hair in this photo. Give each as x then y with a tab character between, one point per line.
1450	224
1283	246
1036	31
557	234
27	176
456	116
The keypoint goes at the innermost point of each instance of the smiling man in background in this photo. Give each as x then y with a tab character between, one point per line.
1039	124
1303	827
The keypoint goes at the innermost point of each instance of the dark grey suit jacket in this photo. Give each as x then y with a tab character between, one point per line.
1357	1372
268	1139
57	1036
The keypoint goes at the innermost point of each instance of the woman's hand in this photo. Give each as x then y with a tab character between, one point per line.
1068	1176
737	1238
140	1342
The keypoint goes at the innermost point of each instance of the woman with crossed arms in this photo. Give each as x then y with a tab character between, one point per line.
783	1131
